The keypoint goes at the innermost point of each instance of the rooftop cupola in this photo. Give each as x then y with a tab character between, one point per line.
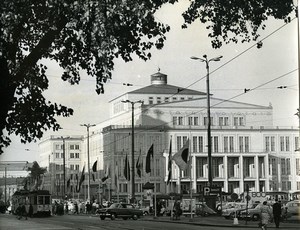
158	79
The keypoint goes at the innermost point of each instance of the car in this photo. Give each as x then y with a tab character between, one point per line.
233	210
253	213
203	210
120	210
293	207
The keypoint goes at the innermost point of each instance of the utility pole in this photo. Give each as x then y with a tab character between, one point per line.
88	156
132	147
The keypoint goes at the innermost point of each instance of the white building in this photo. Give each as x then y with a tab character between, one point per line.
247	150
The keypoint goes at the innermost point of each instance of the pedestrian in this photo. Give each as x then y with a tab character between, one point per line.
30	211
66	208
22	212
76	208
277	212
266	215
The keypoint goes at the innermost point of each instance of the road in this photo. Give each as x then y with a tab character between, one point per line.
89	222
82	222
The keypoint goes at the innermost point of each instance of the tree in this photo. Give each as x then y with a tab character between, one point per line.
79	35
35	175
88	35
236	20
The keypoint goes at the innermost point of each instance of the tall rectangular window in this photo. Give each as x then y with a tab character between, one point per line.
215	144
72	147
287	143
298	166
281	144
180	120
195	144
158	100
201	148
76	146
288	166
244	144
238	121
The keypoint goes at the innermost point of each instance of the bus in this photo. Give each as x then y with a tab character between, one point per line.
39	199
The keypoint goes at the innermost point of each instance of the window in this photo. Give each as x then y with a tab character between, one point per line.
182	98
76	155
298	166
228	144
56	155
72	167
193	120
174	98
215	144
178	121
57	167
288	166
238	121
200	166
150	99
283	167
297	143
223	121
284	143
76	167
71	155
166	99
244	144
76	146
72	147
158	100
62	155
206	121
180	140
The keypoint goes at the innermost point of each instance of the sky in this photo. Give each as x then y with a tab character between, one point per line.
242	66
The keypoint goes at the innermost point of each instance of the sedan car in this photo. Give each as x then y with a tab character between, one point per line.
233	210
253	213
293	207
120	210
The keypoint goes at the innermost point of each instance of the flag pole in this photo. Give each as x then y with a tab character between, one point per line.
154	169
117	178
191	192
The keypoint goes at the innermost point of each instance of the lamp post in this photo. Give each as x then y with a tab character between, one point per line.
132	146
88	156
204	59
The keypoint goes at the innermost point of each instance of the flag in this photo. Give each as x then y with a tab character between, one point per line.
139	165
106	176
170	163
81	180
127	169
68	183
94	168
182	156
148	159
116	176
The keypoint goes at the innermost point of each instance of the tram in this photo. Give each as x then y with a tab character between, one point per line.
39	199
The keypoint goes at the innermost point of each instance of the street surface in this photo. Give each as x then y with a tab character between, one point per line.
87	222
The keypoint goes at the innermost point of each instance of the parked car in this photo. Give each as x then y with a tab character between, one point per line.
203	210
233	210
293	208
120	210
252	213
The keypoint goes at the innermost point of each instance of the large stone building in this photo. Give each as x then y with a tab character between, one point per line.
247	150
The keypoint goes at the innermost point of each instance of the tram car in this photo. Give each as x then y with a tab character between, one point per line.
39	199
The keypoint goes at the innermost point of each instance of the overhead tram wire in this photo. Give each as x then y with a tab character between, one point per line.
193	113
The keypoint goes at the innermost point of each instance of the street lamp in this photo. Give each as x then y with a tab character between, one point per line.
88	156
204	59
132	145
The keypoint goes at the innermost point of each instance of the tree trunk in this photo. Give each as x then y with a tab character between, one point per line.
7	90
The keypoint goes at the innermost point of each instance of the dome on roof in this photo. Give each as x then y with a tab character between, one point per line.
158	79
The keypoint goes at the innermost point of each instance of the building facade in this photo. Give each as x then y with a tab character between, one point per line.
247	150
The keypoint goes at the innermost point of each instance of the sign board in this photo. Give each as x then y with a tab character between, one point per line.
209	191
234	196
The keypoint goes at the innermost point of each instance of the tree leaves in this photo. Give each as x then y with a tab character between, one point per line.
236	20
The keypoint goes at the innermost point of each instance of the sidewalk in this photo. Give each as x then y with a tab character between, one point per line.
221	222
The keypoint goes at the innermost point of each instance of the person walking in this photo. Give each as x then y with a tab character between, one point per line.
277	212
76	208
30	211
266	215
22	212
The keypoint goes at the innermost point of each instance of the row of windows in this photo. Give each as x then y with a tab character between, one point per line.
195	121
71	147
71	155
158	100
72	167
228	143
